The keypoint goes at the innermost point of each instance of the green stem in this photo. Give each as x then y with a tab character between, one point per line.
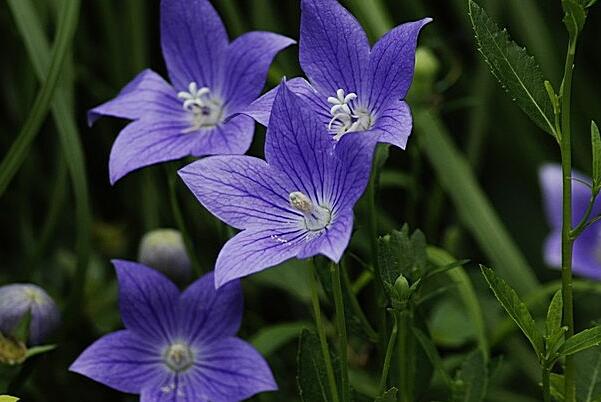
179	220
567	242
546	384
322	335
341	330
406	357
389	350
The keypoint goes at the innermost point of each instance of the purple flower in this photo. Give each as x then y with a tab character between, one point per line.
297	203
352	87
19	299
213	81
587	248
177	347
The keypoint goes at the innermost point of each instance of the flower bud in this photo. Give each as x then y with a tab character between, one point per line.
165	251
17	300
401	287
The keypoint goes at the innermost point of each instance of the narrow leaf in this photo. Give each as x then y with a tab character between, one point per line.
516	70
38	350
596	145
516	309
554	314
270	339
581	341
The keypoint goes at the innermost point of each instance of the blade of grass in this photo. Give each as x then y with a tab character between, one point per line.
472	205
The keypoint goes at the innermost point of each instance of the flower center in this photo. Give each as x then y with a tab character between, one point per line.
316	217
178	357
347	116
206	110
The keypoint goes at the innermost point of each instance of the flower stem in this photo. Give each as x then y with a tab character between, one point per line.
322	335
567	241
341	330
546	384
406	357
389	351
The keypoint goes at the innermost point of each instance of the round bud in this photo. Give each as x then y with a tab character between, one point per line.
165	251
17	300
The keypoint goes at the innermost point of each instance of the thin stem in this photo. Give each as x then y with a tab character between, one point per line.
584	221
389	351
179	220
406	357
356	307
341	330
567	242
546	384
322	335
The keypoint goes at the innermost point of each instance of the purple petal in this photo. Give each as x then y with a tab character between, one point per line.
147	300
394	123
333	241
232	370
230	138
194	41
182	387
550	176
254	250
147	95
144	143
240	190
260	110
586	259
334	50
123	361
247	61
208	313
391	64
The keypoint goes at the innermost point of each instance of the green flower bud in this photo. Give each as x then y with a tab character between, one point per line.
402	289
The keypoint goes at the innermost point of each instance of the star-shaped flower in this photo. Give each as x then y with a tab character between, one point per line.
177	347
212	82
353	88
297	203
587	248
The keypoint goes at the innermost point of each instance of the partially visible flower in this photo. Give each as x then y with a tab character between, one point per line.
297	203
353	88
212	81
165	251
176	347
18	300
587	248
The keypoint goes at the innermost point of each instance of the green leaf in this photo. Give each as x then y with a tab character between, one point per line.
581	341
516	70
475	210
472	379
268	340
516	309
311	369
588	375
388	396
38	350
574	17
450	325
554	314
596	145
557	387
402	253
590	3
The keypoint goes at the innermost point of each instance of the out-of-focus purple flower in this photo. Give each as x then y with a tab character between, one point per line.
587	248
297	203
165	251
212	82
176	347
17	300
353	88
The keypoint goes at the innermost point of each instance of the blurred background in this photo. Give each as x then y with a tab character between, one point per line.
62	221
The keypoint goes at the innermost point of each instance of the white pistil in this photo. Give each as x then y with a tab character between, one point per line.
178	357
206	110
316	217
346	116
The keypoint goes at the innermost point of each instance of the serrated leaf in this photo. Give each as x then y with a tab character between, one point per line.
581	341
472	379
516	70
312	377
388	396
554	314
596	145
516	309
588	375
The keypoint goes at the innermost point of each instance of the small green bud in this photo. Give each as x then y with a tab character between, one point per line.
402	289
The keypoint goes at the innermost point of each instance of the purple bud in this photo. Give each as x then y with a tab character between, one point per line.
165	251
17	300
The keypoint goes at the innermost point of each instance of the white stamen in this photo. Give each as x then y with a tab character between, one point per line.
347	116
206	110
178	357
316	217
